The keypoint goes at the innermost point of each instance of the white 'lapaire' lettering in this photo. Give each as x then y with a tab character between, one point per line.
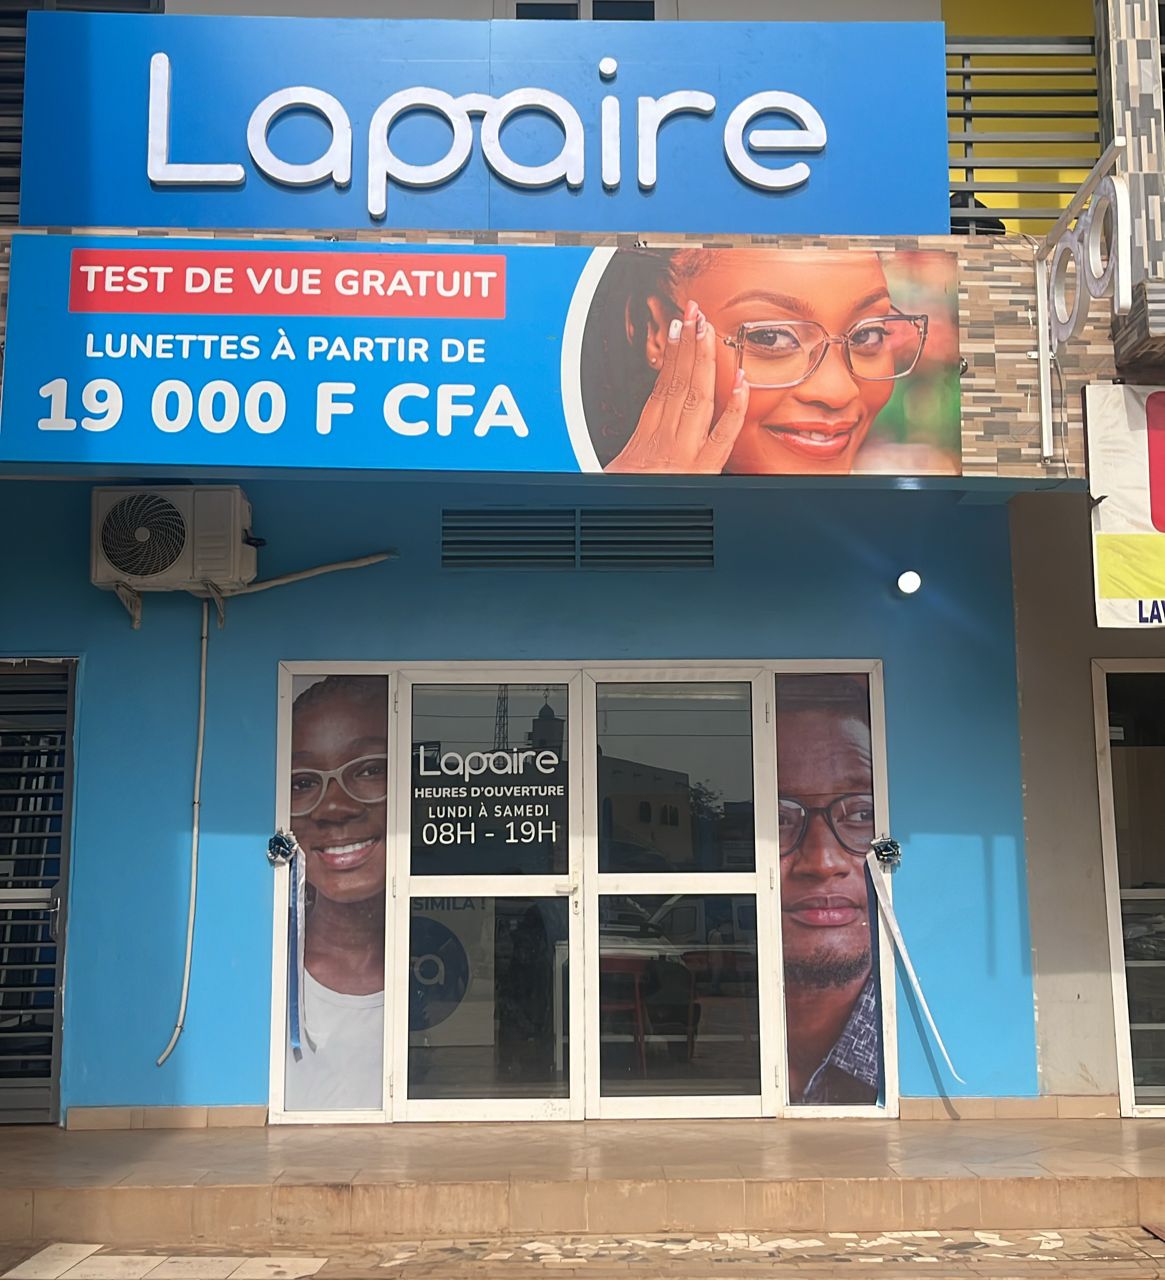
473	764
569	165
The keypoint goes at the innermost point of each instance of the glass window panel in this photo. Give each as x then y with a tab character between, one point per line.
545	9
1143	926
1136	716
1148	1067
489	779
825	786
1146	986
675	777
623	10
488	1009
678	1002
339	788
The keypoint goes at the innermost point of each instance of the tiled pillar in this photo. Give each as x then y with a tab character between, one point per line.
1128	73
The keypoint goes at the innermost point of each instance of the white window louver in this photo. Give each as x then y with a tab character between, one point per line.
596	538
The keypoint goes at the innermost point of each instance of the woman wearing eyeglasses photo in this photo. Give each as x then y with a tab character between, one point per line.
765	362
339	790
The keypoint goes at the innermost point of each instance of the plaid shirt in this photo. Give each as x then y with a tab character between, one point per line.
851	1073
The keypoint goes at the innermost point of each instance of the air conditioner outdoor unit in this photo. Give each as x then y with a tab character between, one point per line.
171	539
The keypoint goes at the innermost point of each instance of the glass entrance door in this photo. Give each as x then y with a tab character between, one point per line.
488	910
680	868
1131	741
554	892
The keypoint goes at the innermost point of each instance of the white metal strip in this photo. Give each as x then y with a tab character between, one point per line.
887	976
712	1106
280	888
877	875
1112	891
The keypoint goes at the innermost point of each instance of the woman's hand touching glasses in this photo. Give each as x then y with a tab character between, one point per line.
677	431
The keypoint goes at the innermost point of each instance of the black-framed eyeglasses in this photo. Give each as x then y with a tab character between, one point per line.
783	353
364	780
849	817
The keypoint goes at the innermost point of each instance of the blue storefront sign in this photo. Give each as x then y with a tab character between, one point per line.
685	127
237	354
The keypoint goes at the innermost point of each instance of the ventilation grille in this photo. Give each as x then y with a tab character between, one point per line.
578	538
143	535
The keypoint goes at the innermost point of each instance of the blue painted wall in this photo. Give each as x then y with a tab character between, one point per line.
801	574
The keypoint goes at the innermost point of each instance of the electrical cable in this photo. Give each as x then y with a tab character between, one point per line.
180	1023
286	578
337	566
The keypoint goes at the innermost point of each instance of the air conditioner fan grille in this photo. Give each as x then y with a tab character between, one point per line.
142	535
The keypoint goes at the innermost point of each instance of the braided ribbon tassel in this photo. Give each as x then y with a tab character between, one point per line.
283	850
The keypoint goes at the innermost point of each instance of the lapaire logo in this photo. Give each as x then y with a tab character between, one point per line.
567	166
514	760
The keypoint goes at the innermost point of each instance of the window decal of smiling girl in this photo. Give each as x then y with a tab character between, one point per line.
339	794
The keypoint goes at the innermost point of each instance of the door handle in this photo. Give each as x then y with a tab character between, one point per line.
569	888
55	916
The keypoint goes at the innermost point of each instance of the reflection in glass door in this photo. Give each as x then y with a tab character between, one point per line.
676	983
488	907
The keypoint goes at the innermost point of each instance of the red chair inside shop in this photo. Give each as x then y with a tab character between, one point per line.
696	962
625	996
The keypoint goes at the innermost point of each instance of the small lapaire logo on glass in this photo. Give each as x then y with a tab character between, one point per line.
569	165
452	764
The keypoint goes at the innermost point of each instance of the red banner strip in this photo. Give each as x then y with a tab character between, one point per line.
422	286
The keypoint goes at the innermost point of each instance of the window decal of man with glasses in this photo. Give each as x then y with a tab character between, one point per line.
825	799
760	361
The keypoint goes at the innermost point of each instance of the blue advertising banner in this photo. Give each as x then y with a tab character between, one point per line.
237	122
233	353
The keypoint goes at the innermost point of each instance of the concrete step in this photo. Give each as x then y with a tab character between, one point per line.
296	1184
301	1210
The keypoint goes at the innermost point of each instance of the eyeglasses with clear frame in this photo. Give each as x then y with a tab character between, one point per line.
849	817
774	354
364	780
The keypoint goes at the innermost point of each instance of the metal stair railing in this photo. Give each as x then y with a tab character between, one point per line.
1023	128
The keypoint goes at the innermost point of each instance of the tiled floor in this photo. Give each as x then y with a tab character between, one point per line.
299	1184
44	1156
1096	1255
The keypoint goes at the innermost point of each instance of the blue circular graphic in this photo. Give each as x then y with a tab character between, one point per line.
439	973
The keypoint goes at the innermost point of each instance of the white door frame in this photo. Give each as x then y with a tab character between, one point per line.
887	971
277	1113
406	886
582	888
1101	669
759	883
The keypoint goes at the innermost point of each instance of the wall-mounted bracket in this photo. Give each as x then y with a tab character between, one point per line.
133	602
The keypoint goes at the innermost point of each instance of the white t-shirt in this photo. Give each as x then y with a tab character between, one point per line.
345	1069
